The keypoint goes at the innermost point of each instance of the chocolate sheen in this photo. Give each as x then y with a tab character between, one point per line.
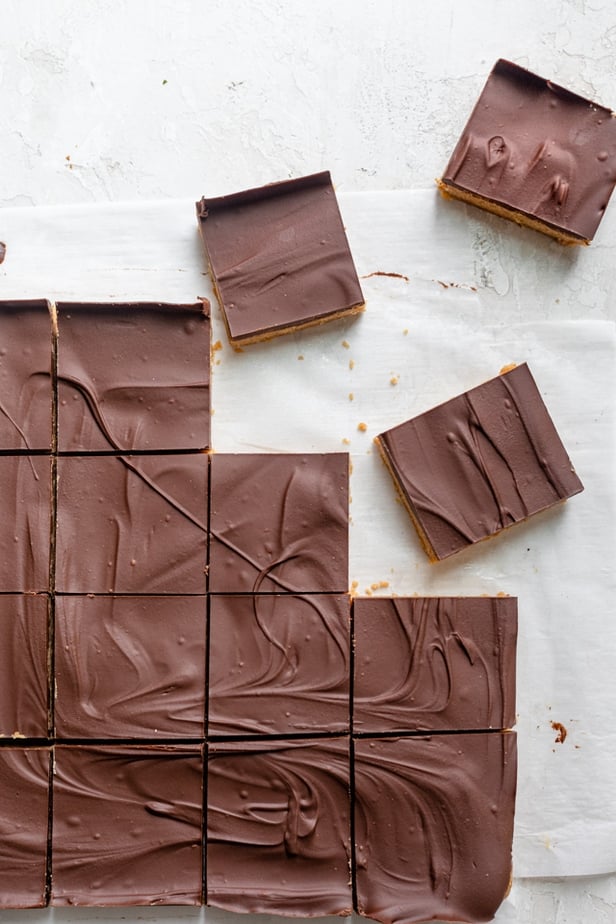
480	462
434	826
25	514
279	256
434	663
127	826
23	665
145	385
538	149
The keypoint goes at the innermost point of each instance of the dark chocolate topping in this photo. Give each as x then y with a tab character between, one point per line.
279	827
538	149
133	376
25	514
433	826
130	666
480	462
279	522
279	255
23	665
127	826
279	664
24	788
434	663
132	525
25	375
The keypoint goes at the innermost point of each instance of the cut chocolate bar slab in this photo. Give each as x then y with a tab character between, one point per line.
434	663
479	463
24	801
279	827
279	523
133	376
433	826
132	524
279	258
127	825
279	664
25	375
25	517
130	667
23	666
536	153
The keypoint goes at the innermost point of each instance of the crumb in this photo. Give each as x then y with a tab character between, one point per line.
346	344
351	396
561	732
368	592
351	364
216	346
237	349
405	331
393	380
507	368
346	441
300	356
362	427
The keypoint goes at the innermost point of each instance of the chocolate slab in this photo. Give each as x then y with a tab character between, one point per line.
279	258
279	522
133	376
130	667
127	826
279	827
25	375
479	463
434	663
24	800
279	664
433	826
536	153
132	524
25	517
23	666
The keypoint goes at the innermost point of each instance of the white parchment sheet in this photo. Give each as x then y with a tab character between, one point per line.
479	293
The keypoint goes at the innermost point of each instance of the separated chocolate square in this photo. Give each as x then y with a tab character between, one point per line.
25	520
434	663
478	463
25	375
279	827
279	522
127	825
279	258
132	524
24	810
433	826
537	154
130	666
24	682
133	377
279	664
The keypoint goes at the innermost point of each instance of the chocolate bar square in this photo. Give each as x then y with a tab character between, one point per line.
25	518
23	666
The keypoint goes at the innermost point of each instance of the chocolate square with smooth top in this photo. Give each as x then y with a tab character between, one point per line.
129	666
434	663
23	665
279	827
25	518
279	664
279	258
133	377
479	463
132	524
127	825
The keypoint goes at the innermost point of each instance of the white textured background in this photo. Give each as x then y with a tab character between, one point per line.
110	100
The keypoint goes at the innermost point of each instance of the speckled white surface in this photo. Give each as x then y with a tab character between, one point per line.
151	99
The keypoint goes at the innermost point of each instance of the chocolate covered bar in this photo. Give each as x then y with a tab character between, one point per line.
23	666
279	258
537	154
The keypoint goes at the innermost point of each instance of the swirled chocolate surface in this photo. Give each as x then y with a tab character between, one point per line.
279	523
24	790
23	665
25	515
132	524
127	825
480	462
434	663
279	827
539	150
130	666
279	664
25	375
279	257
133	376
433	826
